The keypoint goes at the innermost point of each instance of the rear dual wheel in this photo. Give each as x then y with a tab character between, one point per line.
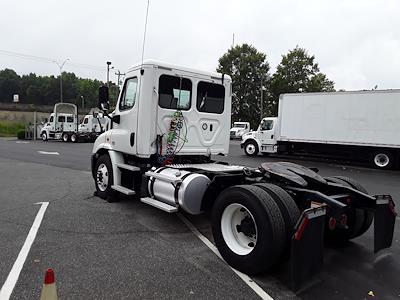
65	137
249	228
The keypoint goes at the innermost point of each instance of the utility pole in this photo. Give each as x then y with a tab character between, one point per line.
61	66
261	106
233	40
119	74
83	102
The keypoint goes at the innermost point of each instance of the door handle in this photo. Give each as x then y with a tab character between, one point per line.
272	136
132	139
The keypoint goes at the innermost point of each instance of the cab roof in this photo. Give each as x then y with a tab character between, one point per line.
165	65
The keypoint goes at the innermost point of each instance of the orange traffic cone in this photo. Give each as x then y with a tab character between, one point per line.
49	290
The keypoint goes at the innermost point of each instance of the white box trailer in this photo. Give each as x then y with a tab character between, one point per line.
362	125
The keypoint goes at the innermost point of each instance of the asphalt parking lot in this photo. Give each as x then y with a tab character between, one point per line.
128	250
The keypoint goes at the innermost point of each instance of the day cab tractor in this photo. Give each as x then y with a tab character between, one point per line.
167	124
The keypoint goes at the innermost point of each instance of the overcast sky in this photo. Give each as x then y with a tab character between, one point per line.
355	42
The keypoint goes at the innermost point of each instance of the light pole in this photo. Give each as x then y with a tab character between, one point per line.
83	102
108	73
61	66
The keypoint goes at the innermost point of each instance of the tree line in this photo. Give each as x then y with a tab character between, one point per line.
249	69
250	72
45	90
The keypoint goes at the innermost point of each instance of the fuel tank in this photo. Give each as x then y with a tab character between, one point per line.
187	193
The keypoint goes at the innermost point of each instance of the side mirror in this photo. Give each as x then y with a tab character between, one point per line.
104	102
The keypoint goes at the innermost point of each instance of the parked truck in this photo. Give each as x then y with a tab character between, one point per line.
362	125
239	129
167	123
63	125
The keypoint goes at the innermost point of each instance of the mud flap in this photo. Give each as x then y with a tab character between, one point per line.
306	255
384	219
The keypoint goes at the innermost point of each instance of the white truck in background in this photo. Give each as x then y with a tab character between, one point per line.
167	123
239	129
63	125
361	125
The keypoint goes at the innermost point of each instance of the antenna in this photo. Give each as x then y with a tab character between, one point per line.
145	29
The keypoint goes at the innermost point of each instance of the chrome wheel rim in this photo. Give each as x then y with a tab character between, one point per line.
102	177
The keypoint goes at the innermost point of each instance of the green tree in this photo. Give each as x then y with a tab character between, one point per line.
297	72
248	69
9	84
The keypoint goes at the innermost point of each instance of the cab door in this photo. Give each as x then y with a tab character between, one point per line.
267	135
124	133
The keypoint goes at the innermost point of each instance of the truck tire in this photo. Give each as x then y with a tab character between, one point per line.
74	138
289	210
369	216
104	179
358	222
65	137
251	148
248	228
382	159
44	136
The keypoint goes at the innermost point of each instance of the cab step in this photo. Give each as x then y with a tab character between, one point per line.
123	190
160	205
128	167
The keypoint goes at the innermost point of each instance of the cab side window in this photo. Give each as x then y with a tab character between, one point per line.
128	97
174	92
85	121
61	118
51	119
267	125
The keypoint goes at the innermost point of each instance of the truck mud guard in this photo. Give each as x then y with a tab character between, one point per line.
306	255
385	217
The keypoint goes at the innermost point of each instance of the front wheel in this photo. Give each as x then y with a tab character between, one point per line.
251	148
104	178
44	136
248	228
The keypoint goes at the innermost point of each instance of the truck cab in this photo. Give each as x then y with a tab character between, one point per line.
239	129
164	110
92	123
57	124
264	139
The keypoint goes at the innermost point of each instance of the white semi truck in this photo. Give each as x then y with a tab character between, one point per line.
167	123
362	125
63	125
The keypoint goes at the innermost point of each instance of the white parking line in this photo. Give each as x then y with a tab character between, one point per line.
22	142
12	278
50	153
254	286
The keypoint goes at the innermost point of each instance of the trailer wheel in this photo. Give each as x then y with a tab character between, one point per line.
382	159
248	228
44	136
251	148
104	178
74	138
369	216
65	137
289	210
359	220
